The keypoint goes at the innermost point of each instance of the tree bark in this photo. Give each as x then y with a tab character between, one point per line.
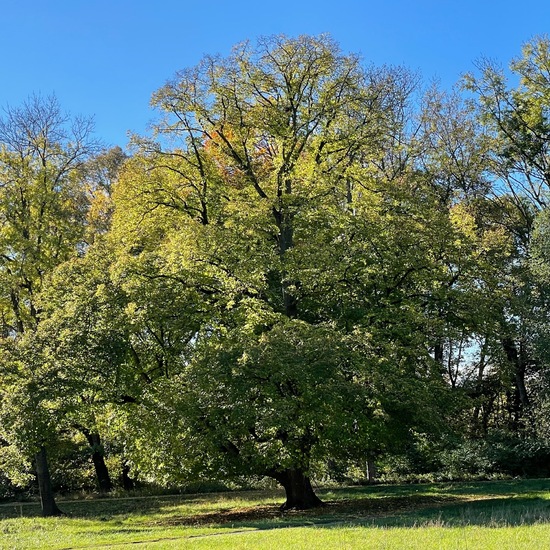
439	353
298	490
520	398
127	482
372	470
47	500
102	473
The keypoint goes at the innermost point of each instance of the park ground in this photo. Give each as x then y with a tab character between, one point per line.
492	514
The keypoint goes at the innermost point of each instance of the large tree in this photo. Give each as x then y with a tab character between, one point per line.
280	201
42	213
517	138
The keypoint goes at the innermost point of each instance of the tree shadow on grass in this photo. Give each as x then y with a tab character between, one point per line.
381	507
269	516
492	512
390	512
487	488
113	508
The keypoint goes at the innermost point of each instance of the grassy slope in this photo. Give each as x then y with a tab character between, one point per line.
500	515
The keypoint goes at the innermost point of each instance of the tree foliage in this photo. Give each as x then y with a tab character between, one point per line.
308	265
42	209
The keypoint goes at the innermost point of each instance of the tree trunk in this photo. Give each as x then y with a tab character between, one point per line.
372	470
298	489
479	390
47	500
520	399
127	482
102	473
439	353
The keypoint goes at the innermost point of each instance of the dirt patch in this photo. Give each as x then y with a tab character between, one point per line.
351	509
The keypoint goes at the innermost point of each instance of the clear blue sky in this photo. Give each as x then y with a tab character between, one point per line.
105	57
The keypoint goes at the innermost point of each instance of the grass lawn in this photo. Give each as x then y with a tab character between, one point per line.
499	515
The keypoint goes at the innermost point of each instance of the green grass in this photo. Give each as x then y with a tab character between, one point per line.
500	515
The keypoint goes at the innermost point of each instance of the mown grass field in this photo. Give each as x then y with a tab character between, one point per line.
485	515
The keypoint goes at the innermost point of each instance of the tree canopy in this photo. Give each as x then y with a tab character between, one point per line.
308	266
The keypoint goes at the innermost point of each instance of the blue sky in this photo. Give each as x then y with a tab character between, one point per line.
106	57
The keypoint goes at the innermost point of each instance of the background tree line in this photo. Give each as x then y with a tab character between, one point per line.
310	267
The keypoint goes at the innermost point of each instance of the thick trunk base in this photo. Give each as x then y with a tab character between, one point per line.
102	473
47	500
298	489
